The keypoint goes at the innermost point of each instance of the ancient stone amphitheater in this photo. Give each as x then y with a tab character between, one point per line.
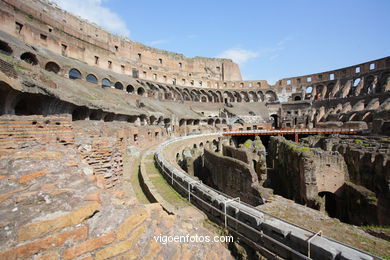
106	143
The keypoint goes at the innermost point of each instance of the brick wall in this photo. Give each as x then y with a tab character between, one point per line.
17	130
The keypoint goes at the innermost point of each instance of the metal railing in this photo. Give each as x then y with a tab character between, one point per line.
228	199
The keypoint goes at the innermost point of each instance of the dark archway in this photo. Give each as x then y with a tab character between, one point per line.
140	91
80	113
29	58
53	67
330	203
275	121
4	48
297	98
130	89
118	85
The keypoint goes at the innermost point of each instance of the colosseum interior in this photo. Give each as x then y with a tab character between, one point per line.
106	143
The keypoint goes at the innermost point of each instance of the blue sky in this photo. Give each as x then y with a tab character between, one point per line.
269	39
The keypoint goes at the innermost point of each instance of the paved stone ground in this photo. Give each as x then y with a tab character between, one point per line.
51	209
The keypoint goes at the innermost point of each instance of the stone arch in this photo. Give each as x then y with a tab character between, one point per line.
219	94
140	91
210	121
319	92
351	117
130	89
270	96
245	96
253	97
106	83
5	48
91	78
74	74
367	117
329	89
228	96
237	96
275	120
370	85
29	58
152	120
52	67
118	85
260	95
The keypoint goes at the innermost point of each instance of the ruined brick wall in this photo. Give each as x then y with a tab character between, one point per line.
103	146
301	173
17	130
233	177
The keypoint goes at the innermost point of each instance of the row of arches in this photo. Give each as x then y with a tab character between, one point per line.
105	82
364	85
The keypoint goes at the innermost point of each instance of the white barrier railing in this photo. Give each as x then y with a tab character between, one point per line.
246	207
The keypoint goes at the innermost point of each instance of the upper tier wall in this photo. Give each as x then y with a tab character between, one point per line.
40	23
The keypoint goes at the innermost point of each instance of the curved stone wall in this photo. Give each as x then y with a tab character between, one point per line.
269	233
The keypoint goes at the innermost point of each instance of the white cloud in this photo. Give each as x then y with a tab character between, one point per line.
93	11
157	42
285	40
239	55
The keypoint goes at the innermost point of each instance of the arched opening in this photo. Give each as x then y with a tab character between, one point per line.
106	83
130	89
275	122
330	203
118	85
4	48
53	67
27	106
270	96
140	91
297	98
96	115
74	74
91	78
152	120
356	82
80	113
109	117
29	58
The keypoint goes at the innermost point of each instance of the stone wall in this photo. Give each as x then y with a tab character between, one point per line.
301	173
367	160
233	177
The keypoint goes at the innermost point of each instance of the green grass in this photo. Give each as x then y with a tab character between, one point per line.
164	188
134	180
248	143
